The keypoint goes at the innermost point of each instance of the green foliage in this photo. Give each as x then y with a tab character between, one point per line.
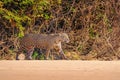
107	23
1	4
80	47
41	57
18	15
59	1
26	2
7	1
11	16
35	54
92	32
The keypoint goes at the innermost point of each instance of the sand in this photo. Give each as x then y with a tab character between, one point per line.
59	70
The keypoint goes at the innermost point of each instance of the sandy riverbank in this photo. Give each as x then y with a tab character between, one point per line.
59	70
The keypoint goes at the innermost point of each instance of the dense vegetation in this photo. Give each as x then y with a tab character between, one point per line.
93	26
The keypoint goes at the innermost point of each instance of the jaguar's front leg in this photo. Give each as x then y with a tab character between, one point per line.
61	51
62	54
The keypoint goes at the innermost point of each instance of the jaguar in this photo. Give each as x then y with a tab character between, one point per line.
42	41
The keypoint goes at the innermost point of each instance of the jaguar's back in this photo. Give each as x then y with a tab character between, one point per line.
27	41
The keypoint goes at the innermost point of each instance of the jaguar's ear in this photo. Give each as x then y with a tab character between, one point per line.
59	34
57	41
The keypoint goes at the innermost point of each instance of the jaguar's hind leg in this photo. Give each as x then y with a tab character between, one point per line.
29	54
18	53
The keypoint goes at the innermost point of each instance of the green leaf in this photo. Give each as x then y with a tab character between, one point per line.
20	34
46	16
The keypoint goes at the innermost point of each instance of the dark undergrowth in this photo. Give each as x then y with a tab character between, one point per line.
92	25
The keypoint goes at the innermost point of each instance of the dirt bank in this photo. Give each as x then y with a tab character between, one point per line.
59	70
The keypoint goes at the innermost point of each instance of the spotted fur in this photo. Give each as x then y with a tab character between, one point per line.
43	41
